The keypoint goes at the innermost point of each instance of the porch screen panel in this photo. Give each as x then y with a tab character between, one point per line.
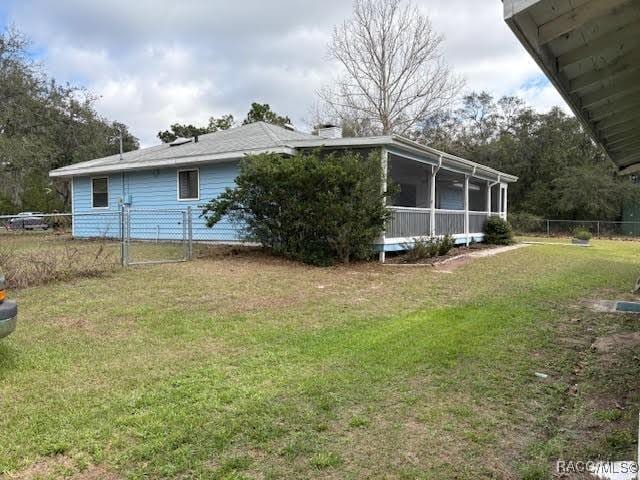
477	196
411	179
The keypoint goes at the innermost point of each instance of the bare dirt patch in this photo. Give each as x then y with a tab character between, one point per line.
450	264
62	466
619	341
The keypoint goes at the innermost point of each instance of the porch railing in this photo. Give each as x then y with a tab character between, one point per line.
416	222
409	222
477	221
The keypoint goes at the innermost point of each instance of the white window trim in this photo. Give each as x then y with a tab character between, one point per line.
178	185
108	195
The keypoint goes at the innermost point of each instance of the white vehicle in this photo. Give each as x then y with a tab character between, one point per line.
28	221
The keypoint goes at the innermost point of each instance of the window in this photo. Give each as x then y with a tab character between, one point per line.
188	185
100	192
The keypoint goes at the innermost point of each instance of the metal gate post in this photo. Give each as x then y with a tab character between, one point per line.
127	234
189	233
123	236
598	235
548	229
185	243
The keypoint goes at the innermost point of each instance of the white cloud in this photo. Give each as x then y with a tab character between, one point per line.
155	62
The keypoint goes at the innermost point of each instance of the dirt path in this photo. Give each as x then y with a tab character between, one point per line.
450	264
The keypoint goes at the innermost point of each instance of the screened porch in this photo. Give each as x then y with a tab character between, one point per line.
432	200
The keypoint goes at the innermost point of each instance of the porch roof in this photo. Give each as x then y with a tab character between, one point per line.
589	49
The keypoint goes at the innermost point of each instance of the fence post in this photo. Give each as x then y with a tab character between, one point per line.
548	229
185	242
122	253
127	238
190	232
598	228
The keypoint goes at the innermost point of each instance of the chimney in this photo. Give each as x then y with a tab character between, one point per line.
329	130
195	139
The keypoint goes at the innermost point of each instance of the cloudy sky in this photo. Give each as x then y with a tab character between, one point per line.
155	62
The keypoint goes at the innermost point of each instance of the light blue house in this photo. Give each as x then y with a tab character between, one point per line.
439	193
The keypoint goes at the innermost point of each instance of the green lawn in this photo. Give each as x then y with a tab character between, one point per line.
250	367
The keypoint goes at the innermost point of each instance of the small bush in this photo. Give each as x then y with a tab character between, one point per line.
498	231
423	249
445	244
523	222
582	234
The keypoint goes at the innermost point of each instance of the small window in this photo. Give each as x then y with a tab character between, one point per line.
188	185
100	192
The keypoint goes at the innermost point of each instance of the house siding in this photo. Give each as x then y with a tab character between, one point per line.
153	190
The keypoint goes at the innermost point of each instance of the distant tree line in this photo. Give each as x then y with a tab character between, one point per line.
562	173
44	125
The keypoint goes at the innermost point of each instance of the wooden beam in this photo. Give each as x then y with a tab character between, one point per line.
618	137
515	7
621	39
577	17
625	162
613	107
629	147
622	128
622	144
620	66
617	88
607	123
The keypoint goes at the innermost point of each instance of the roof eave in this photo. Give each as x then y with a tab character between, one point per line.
67	172
466	165
515	16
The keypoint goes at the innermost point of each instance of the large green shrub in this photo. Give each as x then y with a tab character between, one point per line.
498	231
315	207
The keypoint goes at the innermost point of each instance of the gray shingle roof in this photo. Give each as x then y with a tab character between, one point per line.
254	136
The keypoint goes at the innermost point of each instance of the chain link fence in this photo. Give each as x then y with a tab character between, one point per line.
598	228
126	236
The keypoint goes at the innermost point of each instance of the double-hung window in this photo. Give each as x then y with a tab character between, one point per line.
100	192
188	185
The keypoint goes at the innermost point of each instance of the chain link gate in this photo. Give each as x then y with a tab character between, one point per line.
152	236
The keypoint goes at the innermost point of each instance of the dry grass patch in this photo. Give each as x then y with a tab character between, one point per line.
63	466
39	260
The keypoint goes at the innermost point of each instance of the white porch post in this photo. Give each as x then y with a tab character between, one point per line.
466	209
506	196
488	208
384	159
432	197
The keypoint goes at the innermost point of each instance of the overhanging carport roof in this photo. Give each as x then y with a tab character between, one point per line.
590	51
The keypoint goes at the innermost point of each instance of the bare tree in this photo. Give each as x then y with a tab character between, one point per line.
394	72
